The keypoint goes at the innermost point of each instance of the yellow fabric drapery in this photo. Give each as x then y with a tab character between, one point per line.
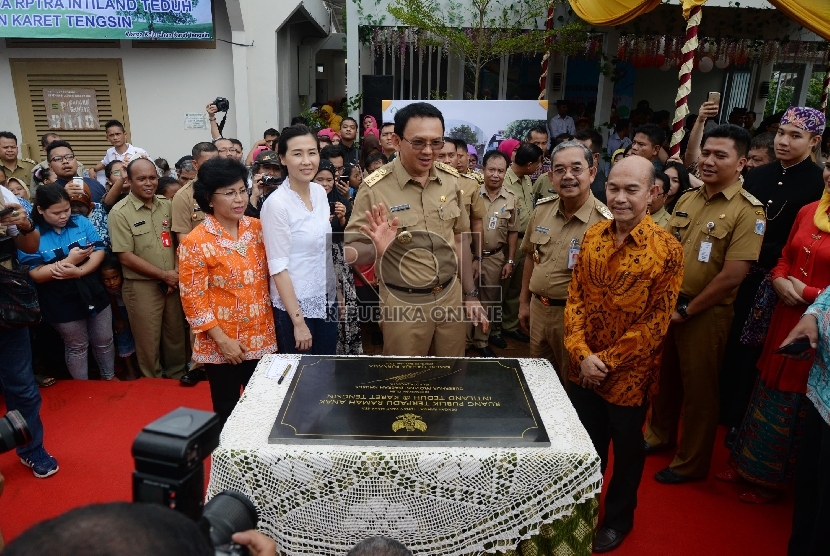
812	14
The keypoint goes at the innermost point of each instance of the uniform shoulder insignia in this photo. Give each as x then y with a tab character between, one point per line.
473	176
29	160
546	199
376	176
447	168
751	198
603	210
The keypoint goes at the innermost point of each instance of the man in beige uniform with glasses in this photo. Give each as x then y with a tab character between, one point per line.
409	216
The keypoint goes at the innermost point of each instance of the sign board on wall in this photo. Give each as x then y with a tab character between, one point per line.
107	19
71	108
484	124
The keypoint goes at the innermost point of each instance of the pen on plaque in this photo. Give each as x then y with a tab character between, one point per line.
285	372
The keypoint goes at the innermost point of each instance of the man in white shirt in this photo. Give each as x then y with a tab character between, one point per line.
618	139
561	123
120	150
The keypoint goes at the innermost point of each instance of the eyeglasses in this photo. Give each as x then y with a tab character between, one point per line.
229	195
62	158
575	171
420	144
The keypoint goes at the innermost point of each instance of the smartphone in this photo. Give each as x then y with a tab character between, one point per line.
163	287
714	96
798	346
331	208
78	181
5	211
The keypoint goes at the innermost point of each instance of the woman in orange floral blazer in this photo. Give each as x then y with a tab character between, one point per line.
223	280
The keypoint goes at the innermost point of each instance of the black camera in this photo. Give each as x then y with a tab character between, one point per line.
169	471
14	431
222	104
271	181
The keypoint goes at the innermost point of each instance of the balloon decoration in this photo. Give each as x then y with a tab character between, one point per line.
706	64
722	62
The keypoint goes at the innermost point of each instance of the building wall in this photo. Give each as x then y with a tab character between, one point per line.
660	87
161	84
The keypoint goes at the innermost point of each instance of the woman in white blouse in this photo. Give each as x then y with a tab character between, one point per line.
295	223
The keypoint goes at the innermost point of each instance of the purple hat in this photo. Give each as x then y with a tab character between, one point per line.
471	150
808	119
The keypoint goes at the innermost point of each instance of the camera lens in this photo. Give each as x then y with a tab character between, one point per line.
227	513
14	431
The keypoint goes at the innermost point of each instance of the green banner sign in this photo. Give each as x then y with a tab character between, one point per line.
107	19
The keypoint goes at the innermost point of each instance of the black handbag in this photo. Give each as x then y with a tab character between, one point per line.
19	305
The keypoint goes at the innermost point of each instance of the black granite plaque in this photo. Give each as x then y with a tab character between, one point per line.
399	401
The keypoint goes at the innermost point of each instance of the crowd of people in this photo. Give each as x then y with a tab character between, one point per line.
648	281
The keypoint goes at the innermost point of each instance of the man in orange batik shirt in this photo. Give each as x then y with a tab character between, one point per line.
620	300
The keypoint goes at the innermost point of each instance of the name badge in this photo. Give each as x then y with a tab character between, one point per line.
399	208
705	251
682	214
493	221
542	230
137	224
573	253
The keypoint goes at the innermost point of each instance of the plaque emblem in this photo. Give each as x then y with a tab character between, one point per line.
410	422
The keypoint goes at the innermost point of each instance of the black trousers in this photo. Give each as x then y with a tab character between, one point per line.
811	511
606	422
226	382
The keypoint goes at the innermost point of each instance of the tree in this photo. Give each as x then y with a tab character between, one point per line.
785	95
485	30
464	132
519	129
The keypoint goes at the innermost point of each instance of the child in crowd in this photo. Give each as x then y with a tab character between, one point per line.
113	279
168	186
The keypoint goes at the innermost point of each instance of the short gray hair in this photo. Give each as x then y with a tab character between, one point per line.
379	546
187	166
589	156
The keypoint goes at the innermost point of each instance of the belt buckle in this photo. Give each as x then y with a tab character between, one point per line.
437	289
545	301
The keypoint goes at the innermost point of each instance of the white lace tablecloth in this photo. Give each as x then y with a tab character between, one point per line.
322	500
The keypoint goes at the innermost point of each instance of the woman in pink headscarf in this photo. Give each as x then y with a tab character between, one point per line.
508	147
370	126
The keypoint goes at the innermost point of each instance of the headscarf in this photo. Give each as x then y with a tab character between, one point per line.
370	143
508	146
332	119
373	128
23	185
614	156
84	198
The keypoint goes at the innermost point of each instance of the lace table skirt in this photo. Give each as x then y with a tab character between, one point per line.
323	499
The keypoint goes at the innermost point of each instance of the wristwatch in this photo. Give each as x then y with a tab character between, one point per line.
681	310
511	261
472	293
30	230
476	258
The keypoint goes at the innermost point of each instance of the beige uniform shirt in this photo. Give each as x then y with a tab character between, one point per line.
730	226
661	218
186	212
470	186
136	229
523	190
551	236
23	171
542	187
500	218
432	214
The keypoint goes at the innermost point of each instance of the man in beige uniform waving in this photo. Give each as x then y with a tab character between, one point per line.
409	216
551	245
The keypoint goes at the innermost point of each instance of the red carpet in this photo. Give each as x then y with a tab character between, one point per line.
90	427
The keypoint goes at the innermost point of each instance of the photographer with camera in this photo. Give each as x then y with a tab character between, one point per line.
18	232
221	104
266	178
123	529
